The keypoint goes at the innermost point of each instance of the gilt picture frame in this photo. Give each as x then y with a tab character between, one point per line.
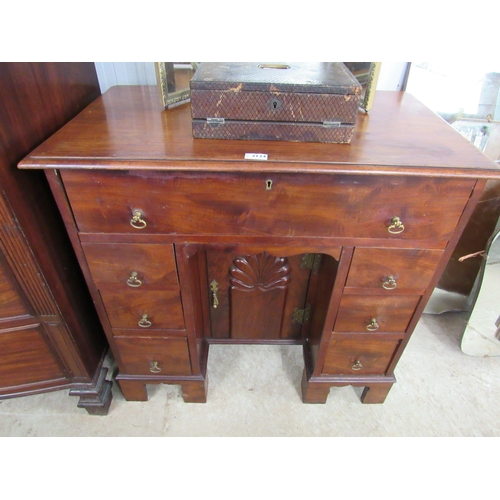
367	74
173	82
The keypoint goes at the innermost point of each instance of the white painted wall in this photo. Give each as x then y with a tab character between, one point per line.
392	75
125	73
143	73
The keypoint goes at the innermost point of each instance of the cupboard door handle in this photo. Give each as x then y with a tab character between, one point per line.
214	286
389	283
154	368
133	280
144	321
137	221
372	325
357	365
396	226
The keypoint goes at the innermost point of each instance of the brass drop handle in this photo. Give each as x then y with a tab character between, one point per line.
153	367
214	286
133	280
144	321
389	283
137	221
357	365
372	325
396	226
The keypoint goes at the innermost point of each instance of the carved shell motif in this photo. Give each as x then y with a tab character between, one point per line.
262	272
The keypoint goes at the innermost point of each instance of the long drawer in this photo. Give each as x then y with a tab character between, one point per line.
26	358
360	206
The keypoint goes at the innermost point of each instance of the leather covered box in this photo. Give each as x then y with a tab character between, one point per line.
303	102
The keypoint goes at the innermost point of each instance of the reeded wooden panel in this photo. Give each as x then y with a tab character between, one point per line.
246	204
392	314
26	358
142	356
358	356
410	269
11	303
113	264
162	307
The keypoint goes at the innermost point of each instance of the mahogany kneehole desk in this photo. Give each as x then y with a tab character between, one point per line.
185	243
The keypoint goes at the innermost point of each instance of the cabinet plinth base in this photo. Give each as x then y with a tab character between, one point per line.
95	397
194	389
315	390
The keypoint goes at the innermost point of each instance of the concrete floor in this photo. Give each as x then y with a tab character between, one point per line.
255	391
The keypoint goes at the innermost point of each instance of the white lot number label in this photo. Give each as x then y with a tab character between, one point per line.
256	156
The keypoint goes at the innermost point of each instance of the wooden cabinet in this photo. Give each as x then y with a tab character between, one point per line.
50	335
184	243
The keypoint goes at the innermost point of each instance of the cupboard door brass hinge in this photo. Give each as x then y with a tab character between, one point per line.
301	315
311	261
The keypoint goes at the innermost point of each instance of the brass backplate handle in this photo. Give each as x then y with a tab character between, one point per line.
153	367
133	280
372	326
396	226
357	365
214	286
389	283
137	221
144	321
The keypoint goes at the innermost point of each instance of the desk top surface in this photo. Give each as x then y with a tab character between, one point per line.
128	128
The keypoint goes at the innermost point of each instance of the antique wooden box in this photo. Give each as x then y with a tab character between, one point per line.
303	102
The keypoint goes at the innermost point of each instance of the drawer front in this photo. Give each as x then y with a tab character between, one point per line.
392	270
26	358
370	313
266	205
359	357
158	309
128	265
144	356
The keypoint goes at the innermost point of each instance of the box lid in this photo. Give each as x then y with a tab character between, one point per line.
311	77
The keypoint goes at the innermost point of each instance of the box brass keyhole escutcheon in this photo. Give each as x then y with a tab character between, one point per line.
274	104
269	185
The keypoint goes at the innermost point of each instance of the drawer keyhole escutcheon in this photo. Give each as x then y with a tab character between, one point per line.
269	185
372	325
137	221
396	226
154	368
389	283
144	321
357	365
133	280
214	286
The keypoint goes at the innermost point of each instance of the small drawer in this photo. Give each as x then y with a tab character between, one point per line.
358	356
372	313
393	270
144	356
127	265
158	309
368	206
